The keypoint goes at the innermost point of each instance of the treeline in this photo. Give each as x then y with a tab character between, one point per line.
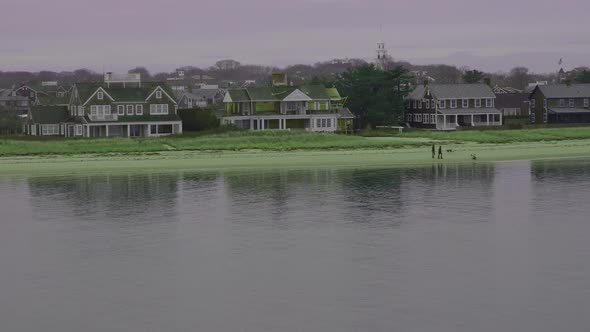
233	71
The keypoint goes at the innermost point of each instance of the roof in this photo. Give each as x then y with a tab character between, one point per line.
565	91
345	113
453	91
463	111
278	93
564	110
120	93
506	89
511	100
49	114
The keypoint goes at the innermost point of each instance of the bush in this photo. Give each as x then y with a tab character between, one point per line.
198	119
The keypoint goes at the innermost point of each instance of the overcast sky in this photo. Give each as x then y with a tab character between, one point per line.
162	35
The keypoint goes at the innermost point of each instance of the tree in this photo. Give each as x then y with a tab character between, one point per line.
473	76
227	64
519	77
582	76
145	74
374	96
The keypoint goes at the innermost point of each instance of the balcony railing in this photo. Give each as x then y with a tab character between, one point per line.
104	117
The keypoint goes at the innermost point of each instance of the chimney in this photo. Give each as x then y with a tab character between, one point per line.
425	82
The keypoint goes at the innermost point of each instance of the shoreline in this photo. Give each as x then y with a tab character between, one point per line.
267	159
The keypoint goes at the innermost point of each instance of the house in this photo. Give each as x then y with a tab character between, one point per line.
199	98
450	106
16	100
119	106
49	121
560	103
511	101
307	107
51	93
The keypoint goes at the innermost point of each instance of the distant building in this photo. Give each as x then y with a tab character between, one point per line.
200	98
308	107
450	106
119	106
382	60
560	103
511	101
19	99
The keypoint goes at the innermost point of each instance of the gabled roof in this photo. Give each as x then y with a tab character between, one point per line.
237	95
453	91
49	114
120	93
278	93
565	91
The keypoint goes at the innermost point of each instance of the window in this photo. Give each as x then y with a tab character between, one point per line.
433	118
415	104
533	104
545	103
329	123
319	123
50	129
100	95
158	109
61	94
158	94
478	103
427	104
453	103
291	106
545	116
489	102
562	103
129	109
426	118
93	110
419	104
532	117
79	130
465	103
80	110
442	103
586	102
121	109
139	109
324	123
571	102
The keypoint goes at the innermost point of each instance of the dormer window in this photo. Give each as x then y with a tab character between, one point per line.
572	103
478	103
489	102
562	103
100	95
158	94
442	104
465	103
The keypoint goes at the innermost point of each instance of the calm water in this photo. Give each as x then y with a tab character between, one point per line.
496	247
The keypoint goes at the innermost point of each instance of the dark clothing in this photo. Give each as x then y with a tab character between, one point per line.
440	156
433	151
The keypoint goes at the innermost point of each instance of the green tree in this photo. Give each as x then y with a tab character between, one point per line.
473	76
583	76
374	96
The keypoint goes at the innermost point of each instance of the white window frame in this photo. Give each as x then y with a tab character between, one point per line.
453	103
158	109
586	102
50	129
159	94
464	103
533	103
100	95
129	109
489	102
562	102
139	109
415	104
433	118
79	130
571	103
94	110
121	109
427	106
478	103
419	104
442	103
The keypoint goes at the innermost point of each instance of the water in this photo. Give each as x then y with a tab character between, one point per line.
486	247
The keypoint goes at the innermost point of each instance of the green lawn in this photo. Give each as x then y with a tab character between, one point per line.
239	140
492	136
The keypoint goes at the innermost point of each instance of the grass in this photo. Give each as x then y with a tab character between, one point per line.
491	136
228	141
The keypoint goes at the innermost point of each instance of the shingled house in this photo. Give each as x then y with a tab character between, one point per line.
119	106
560	103
307	107
449	106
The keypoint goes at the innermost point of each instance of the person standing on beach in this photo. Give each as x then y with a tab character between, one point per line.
433	151
440	156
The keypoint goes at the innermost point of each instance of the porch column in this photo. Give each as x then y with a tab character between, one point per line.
488	119
472	120
263	124
107	131
284	123
444	121
251	124
500	119
128	131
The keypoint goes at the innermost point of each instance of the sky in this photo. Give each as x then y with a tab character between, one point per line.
116	35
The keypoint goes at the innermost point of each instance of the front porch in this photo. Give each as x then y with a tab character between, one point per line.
132	129
452	121
324	123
